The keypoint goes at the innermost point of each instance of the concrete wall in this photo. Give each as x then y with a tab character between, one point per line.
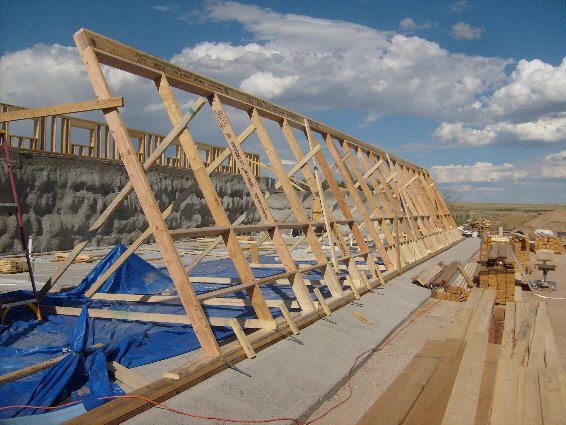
62	196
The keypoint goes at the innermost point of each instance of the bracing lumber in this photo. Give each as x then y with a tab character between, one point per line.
68	108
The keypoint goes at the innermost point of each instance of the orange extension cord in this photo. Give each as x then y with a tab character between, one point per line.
244	421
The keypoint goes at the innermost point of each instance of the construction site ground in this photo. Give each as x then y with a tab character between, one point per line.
303	377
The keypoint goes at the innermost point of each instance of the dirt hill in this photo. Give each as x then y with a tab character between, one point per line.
552	220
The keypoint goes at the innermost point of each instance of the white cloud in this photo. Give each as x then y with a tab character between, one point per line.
319	63
479	172
463	31
550	129
409	24
558	156
265	84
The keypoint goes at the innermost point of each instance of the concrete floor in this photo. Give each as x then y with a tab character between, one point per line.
294	376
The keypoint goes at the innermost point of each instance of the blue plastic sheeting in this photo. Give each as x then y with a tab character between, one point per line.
28	341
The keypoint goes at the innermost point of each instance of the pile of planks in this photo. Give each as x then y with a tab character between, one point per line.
481	374
81	258
450	282
455	282
549	242
521	248
497	270
13	265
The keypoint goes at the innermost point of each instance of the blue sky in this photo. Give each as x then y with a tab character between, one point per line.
475	91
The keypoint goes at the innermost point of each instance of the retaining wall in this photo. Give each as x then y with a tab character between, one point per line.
62	196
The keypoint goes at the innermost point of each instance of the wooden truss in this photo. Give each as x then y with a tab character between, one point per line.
380	213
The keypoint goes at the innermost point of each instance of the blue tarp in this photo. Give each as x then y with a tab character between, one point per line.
27	341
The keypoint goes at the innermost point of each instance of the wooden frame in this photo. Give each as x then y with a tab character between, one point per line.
390	216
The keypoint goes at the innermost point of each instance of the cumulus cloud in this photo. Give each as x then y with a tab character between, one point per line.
463	31
319	63
550	129
409	25
478	172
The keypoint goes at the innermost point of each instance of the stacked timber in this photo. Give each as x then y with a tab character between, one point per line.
550	243
450	282
498	366
497	270
81	258
521	248
13	265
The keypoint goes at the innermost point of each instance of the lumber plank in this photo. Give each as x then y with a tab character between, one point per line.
459	328
487	384
553	409
504	408
482	315
156	317
242	338
394	404
463	402
508	331
67	108
523	338
127	376
551	354
537	344
430	405
529	409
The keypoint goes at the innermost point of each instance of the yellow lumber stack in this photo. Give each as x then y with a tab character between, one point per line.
549	242
522	252
498	269
81	258
13	265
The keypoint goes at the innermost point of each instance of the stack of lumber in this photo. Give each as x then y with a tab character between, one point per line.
482	226
81	258
455	283
474	377
497	271
427	276
550	243
13	265
522	251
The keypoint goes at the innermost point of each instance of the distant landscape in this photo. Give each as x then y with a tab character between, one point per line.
526	217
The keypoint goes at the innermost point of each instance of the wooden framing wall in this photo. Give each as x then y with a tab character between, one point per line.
53	133
380	215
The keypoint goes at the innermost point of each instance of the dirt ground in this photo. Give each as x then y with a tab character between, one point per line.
431	321
526	217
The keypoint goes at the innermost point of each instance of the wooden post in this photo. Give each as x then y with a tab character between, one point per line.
296	280
213	201
136	173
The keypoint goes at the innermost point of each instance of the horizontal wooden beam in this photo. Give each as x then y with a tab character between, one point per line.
142	316
67	108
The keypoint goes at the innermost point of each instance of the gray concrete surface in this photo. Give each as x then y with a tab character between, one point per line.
290	379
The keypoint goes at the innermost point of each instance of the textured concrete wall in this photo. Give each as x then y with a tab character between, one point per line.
61	197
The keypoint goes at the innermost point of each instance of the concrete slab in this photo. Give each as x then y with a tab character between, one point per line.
292	377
